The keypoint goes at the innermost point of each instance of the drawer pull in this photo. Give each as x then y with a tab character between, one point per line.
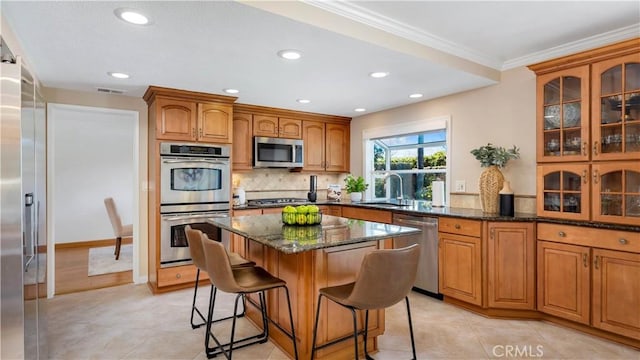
561	234
623	241
595	176
457	226
595	262
584	148
584	260
178	276
585	178
493	233
595	148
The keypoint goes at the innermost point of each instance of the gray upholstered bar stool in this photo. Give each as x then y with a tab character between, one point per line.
240	281
385	278
194	240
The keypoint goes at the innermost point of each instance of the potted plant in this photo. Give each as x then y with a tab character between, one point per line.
491	180
355	187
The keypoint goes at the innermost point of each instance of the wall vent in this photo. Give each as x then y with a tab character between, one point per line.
111	91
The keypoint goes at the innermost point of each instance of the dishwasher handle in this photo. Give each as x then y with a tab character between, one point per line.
420	223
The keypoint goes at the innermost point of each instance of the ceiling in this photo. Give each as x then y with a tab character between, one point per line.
436	48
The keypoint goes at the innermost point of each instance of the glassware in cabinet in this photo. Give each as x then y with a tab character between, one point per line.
616	192
563	191
563	115
616	109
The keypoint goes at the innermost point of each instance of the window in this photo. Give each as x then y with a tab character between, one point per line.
418	158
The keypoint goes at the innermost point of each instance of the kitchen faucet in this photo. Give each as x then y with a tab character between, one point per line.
399	178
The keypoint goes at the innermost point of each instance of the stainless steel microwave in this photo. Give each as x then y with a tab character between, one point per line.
277	152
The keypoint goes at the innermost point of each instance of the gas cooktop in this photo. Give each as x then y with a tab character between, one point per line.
276	201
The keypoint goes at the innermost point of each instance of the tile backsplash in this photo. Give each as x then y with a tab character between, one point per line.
273	183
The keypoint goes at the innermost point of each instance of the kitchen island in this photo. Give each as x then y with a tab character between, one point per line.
309	258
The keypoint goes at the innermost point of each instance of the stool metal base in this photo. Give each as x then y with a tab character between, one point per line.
195	310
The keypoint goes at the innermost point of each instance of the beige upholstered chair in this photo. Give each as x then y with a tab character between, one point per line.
385	278
240	281
194	239
120	231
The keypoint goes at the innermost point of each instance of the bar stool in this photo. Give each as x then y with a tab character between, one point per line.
385	277
240	281
194	240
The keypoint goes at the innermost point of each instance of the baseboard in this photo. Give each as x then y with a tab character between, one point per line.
92	243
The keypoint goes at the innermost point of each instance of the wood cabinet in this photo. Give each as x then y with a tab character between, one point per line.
189	116
242	155
273	126
588	112
327	146
460	259
511	258
563	191
334	210
590	276
382	216
563	280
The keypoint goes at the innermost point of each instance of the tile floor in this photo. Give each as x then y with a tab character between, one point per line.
128	322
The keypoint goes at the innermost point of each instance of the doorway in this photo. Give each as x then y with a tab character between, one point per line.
92	154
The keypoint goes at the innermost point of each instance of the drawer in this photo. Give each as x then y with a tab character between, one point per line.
586	236
179	275
460	226
382	216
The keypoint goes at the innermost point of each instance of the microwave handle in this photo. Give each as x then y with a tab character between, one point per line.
208	161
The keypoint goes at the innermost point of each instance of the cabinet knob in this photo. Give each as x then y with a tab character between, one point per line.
562	234
595	176
584	148
585	178
595	148
623	241
457	226
178	276
584	260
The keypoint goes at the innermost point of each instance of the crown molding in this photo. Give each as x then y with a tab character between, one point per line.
625	33
359	14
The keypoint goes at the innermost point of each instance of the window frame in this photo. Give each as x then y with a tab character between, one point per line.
411	127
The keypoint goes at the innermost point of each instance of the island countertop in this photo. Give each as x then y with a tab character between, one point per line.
269	230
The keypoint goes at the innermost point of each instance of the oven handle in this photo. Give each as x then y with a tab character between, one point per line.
208	161
189	217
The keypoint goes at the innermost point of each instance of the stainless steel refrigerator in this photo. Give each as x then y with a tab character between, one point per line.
23	237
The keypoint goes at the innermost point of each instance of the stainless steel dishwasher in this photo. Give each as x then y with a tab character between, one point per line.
427	276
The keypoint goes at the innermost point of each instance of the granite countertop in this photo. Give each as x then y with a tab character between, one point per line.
333	231
423	208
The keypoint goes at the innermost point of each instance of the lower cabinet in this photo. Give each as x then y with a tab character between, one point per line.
563	281
178	275
460	259
511	256
460	273
590	276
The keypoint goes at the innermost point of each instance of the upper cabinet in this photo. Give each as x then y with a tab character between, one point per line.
326	146
588	135
326	138
563	115
189	116
273	126
616	108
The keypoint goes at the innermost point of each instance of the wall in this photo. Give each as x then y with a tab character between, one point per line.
138	105
503	114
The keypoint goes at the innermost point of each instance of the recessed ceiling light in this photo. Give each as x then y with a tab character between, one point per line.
415	96
359	109
303	101
118	75
290	54
231	91
378	74
131	16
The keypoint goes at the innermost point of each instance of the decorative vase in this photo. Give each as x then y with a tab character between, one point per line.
490	184
356	196
507	206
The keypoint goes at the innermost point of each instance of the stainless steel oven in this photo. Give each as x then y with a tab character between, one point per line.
174	249
194	175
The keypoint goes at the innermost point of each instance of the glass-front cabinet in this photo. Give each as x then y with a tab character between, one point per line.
563	191
616	192
616	109
563	115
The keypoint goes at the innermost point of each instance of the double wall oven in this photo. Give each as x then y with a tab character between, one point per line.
194	186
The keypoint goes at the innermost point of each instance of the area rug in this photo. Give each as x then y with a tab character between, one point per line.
103	261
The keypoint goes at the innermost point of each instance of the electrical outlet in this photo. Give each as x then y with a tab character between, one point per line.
461	186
